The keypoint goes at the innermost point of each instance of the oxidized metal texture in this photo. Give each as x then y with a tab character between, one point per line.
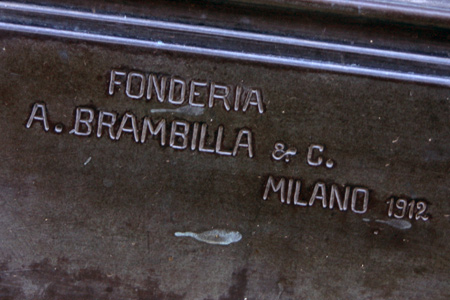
151	171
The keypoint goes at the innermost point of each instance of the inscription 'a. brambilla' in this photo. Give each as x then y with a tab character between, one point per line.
177	134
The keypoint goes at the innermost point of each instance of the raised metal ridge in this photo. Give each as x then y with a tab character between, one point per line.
226	43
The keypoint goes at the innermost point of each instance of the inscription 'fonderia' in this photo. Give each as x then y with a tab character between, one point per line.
179	91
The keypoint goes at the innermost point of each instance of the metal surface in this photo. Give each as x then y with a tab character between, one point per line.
327	179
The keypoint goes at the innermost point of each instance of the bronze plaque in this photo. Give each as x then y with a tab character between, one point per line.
249	150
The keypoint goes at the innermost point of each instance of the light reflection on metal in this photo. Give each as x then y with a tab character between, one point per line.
424	72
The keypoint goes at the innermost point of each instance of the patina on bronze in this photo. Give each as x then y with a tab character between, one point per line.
248	150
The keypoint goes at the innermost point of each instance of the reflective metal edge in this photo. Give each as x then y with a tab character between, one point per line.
203	40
